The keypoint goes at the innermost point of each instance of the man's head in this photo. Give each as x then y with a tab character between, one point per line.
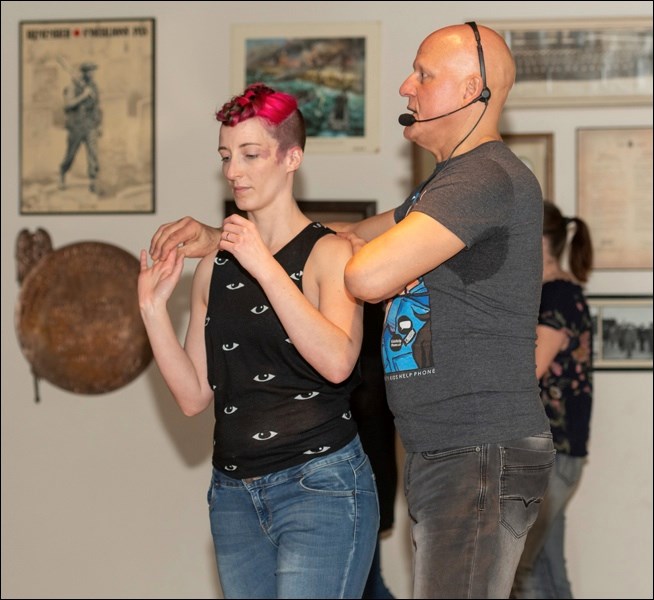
86	70
463	70
278	111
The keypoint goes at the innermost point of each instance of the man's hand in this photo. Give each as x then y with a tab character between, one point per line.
189	237
356	242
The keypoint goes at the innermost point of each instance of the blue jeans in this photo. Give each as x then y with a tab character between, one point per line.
471	508
542	572
305	532
375	586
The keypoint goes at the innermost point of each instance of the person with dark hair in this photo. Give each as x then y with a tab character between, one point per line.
458	264
273	341
83	118
564	352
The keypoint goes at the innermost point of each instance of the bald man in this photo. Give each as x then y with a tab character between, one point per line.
458	264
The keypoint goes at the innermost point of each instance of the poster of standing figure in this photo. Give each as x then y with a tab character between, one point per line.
87	116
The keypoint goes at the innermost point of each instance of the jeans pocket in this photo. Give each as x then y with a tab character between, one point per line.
523	483
334	479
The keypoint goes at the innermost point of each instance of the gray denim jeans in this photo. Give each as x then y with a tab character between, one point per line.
471	509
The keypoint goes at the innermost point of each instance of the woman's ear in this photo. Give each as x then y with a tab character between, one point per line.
294	157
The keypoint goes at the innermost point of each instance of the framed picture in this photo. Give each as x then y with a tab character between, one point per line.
580	62
325	211
87	116
534	149
332	69
622	328
614	194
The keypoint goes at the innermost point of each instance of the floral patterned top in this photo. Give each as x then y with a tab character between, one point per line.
567	386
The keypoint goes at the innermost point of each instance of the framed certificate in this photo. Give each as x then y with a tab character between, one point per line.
614	194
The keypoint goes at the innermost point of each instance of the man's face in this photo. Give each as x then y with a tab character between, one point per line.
431	89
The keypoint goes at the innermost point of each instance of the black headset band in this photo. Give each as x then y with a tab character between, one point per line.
485	92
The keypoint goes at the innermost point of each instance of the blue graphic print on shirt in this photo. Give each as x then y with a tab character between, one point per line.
406	340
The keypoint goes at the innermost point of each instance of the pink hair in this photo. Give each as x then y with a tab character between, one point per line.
258	100
279	111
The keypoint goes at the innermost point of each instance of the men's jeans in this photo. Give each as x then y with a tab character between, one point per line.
305	532
542	571
471	509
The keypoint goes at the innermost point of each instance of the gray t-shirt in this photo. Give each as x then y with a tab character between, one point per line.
458	344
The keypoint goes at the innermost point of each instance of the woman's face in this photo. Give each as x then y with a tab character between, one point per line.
252	164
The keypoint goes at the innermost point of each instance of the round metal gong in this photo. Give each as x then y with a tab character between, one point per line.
78	319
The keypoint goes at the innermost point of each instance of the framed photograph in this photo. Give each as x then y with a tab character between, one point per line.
87	116
622	332
332	69
534	149
580	62
614	194
325	211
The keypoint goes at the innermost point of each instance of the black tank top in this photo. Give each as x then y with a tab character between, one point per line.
273	410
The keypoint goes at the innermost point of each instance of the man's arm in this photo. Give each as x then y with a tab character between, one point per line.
195	240
368	228
190	237
71	100
384	266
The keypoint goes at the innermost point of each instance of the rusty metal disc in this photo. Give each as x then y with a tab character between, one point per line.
78	321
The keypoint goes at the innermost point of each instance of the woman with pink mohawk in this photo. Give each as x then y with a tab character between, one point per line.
273	341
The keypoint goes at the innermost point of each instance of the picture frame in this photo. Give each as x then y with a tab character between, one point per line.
622	332
324	211
331	68
87	110
580	62
534	149
614	194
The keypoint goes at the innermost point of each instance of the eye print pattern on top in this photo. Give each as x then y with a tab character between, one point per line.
243	285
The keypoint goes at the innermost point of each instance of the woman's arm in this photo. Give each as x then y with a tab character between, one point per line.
549	342
184	369
323	321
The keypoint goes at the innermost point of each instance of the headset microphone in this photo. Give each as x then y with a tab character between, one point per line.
407	119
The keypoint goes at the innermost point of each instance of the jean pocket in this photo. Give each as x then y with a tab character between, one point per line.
523	483
335	479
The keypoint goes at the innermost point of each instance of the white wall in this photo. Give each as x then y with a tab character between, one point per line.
103	496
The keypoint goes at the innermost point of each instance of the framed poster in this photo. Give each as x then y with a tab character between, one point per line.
325	211
87	116
594	62
332	69
534	149
622	332
614	194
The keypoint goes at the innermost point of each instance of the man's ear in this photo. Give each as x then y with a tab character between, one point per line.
473	88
